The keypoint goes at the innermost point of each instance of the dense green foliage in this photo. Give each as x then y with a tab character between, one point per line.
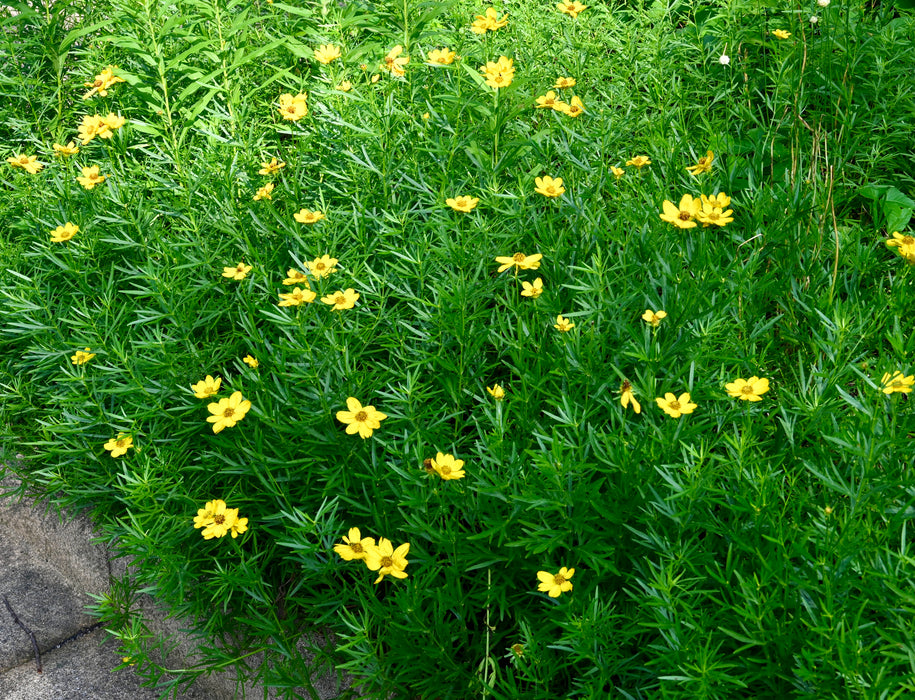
747	549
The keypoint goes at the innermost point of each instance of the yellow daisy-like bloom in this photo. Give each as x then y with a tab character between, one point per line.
519	260
297	297
295	277
750	389
897	383
251	361
227	412
118	446
639	161
71	149
447	467
617	172
354	546
387	561
344	86
207	514
628	397
264	192
462	203
703	166
342	299
780	34
574	109
293	108
547	101
28	163
91	127
653	317
103	81
323	267
306	216
206	388
710	214
563	325
441	57
720	200
674	406
90	177
394	62
327	53
564	83
360	419
488	22
113	122
274	166
549	187
425	116
82	357
571	8
238	273
682	216
218	520
555	584
532	290
499	74
239	525
496	391
64	233
903	243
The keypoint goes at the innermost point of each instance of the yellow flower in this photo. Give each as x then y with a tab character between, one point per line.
532	290
720	200
344	86
306	216
703	166
375	78
425	116
239	525
297	297
499	74
462	203
274	166
264	192
91	127
207	514
394	62
676	407
441	57
251	361
354	546
119	445
206	388
327	53
571	8
496	391
547	101
488	22
323	267
639	161
71	149
710	214
295	277
102	82
904	244
573	109
387	561
82	357
447	467
628	397
294	108
218	520
653	317
28	163
519	260
64	233
780	34
549	187
617	172
360	419
238	273
90	177
750	389
564	83
342	299
563	325
555	584
681	216
227	412
110	123
897	383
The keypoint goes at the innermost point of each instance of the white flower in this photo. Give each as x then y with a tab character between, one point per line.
823	3
814	20
724	59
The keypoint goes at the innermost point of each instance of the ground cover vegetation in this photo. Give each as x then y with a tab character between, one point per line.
535	350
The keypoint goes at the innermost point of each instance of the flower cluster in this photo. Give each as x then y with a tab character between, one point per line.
217	520
381	557
706	210
488	22
96	125
499	74
293	108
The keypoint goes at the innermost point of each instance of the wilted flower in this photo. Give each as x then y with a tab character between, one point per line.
814	19
750	389
628	397
227	412
218	520
549	187
327	53
264	192
90	177
823	3
496	391
119	445
82	357
555	584
64	233
360	419
28	163
251	361
238	273
724	59
676	407
703	166
462	203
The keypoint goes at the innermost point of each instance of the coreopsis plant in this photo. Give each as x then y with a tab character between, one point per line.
322	267
447	467
227	412
90	177
750	389
119	445
341	299
441	57
28	163
354	545
676	406
896	383
237	273
64	232
682	215
81	357
627	397
206	387
360	419
293	108
307	216
271	167
572	8
549	187
556	584
71	149
462	203
532	290
490	21
386	560
704	165
327	53
519	261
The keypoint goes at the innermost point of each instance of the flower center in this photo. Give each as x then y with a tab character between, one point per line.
387	562
559	579
674	405
340	299
518	257
361	416
685	215
120	443
713	215
748	389
356	547
320	266
228	413
626	387
896	383
445	469
219	519
908	240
